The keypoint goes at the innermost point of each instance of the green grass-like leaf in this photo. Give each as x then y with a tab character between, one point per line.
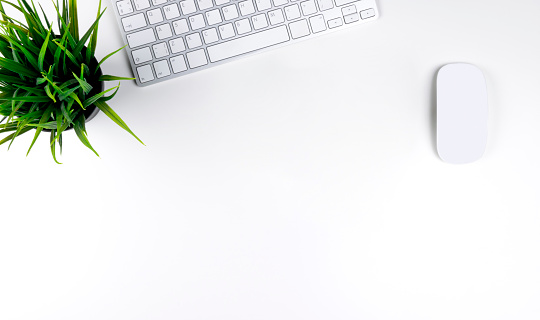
104	107
49	75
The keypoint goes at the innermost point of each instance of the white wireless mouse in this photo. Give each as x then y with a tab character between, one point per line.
462	113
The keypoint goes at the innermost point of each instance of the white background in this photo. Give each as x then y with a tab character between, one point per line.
301	183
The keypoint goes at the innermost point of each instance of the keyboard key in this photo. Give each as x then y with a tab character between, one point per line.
366	14
180	27
155	16
177	45
188	7
263	4
325	5
134	22
226	31
351	18
334	23
197	22
210	36
246	7
164	31
317	23
142	55
308	7
348	10
145	73
248	43
194	40
178	64
230	12
242	26
276	17
158	2
213	17
220	2
124	7
292	12
171	11
197	58
259	21
343	2
142	4
280	2
160	50
299	29
141	38
204	4
162	69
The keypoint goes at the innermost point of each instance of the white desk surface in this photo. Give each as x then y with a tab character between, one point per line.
302	183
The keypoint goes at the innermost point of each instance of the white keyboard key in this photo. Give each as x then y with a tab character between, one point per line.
180	27
292	12
226	31
134	22
263	4
171	11
197	58
308	7
188	7
230	12
343	2
325	5
164	31
348	10
141	38
299	29
248	43
280	2
162	69
317	23
351	18
155	16
204	4
178	64
145	73
334	23
259	21
160	50
124	7
366	14
142	4
213	17
177	45
158	2
210	36
276	17
242	26
220	2
246	7
193	40
142	55
197	22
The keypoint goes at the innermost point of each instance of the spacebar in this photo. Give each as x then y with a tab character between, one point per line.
247	44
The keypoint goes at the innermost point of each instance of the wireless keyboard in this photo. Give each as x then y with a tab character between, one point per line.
171	38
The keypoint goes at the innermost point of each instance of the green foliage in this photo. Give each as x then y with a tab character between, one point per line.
47	80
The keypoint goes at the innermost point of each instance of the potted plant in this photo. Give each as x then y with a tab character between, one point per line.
51	82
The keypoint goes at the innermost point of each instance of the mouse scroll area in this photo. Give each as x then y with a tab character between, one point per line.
462	113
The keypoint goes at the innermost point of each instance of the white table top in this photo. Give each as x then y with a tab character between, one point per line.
301	183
